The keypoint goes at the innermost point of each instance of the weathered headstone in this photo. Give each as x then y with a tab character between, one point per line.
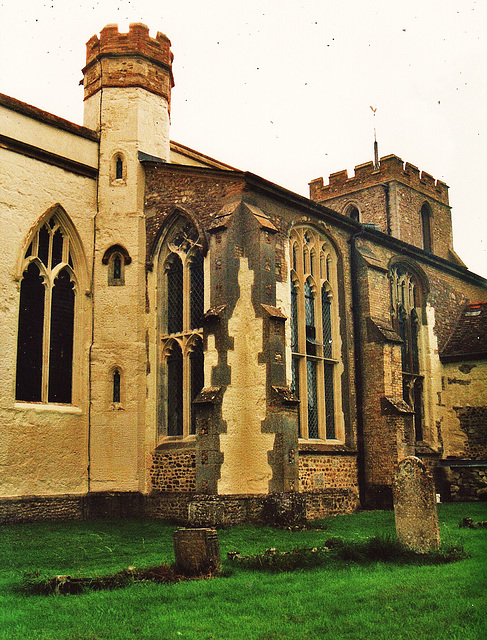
415	506
196	551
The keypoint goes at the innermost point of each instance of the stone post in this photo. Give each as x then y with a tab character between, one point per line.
196	551
415	506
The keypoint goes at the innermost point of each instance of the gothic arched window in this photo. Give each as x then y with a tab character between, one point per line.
46	318
315	339
181	319
406	313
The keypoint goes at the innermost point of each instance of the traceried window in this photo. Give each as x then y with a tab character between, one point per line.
46	318
315	343
182	307
406	307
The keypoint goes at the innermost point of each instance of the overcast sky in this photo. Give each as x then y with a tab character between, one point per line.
283	88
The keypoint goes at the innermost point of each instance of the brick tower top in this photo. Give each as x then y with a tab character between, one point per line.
132	59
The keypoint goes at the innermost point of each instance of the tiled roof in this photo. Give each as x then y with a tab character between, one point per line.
469	338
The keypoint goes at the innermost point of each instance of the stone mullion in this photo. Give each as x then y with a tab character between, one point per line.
186	387
320	368
46	339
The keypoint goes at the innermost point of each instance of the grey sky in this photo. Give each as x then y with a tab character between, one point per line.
283	88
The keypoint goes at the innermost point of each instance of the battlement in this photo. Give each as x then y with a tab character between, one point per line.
366	175
128	59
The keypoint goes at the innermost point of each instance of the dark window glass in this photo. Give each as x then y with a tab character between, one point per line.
117	267
175	296
294	317
295	385
57	249
326	319
43	251
295	258
418	409
175	392
29	251
197	291
353	213
116	386
119	168
426	227
61	348
329	401
312	399
197	378
30	336
309	311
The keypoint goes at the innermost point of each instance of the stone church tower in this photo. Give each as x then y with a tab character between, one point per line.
127	87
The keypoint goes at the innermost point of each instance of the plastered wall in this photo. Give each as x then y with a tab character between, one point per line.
43	448
245	467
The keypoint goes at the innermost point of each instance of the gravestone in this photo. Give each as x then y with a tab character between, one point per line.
196	551
415	508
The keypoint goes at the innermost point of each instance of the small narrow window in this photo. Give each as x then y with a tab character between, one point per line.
117	258
116	387
117	267
426	226
119	168
353	213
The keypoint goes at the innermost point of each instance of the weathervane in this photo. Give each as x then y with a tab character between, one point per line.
376	146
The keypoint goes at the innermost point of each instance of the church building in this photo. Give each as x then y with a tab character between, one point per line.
184	340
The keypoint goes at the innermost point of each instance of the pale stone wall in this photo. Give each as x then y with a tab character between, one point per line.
43	448
245	466
123	438
44	136
464	390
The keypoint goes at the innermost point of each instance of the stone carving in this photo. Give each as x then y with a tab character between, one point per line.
415	506
196	551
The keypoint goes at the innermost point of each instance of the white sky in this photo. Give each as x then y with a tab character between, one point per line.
282	88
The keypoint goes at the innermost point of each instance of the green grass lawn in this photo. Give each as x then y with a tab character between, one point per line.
377	601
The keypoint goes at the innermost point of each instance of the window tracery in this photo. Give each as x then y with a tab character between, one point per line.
181	333
46	318
406	308
315	344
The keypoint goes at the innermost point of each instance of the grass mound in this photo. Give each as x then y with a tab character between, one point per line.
374	549
34	583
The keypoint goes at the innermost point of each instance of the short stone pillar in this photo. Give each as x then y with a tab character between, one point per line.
415	506
196	551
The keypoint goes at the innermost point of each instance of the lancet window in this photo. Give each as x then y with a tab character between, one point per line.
315	339
46	318
181	319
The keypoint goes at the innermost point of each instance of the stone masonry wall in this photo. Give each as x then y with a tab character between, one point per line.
317	472
173	471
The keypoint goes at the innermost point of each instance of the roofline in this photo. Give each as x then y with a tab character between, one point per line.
197	155
47	118
463	357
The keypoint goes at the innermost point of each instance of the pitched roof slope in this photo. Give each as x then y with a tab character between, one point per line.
469	338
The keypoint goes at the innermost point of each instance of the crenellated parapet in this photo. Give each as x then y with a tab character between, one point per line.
391	168
132	59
